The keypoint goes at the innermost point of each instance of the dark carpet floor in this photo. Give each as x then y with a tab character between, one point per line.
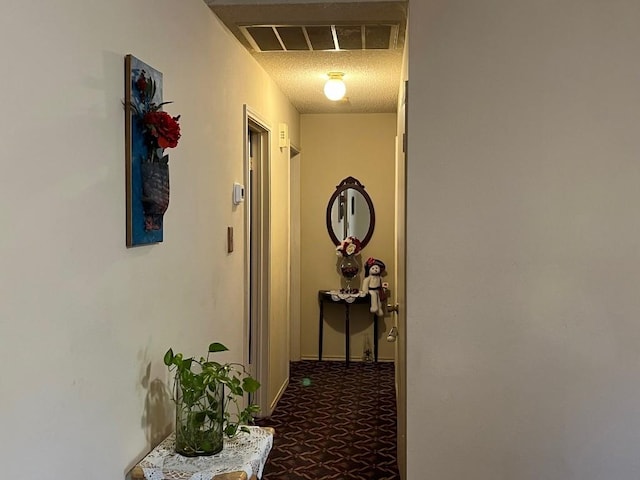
335	423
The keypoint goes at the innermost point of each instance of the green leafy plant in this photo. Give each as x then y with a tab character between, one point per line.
207	396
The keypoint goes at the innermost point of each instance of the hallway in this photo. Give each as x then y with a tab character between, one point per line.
335	423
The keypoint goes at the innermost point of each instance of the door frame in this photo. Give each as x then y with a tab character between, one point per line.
400	275
294	253
256	347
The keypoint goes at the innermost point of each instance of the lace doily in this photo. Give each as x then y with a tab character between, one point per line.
337	295
245	452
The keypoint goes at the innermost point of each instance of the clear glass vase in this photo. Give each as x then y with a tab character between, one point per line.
349	269
199	421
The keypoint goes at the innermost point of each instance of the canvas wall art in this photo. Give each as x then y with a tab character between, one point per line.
149	131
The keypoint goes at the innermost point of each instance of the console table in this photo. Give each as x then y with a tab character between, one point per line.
334	296
242	458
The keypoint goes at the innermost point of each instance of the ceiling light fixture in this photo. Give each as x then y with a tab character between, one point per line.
335	88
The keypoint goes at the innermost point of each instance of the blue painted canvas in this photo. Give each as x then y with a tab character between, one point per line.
142	228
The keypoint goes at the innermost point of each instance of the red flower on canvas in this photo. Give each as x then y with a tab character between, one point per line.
141	83
160	129
163	128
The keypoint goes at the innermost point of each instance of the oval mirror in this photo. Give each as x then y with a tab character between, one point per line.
350	213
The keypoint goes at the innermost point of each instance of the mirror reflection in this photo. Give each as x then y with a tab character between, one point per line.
350	212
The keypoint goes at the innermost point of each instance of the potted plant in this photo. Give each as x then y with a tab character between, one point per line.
207	395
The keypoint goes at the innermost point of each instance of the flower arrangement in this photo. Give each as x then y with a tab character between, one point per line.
160	130
348	247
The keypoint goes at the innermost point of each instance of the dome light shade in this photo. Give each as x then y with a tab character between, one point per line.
335	88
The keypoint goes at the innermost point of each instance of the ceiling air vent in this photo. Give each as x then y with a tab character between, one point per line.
273	38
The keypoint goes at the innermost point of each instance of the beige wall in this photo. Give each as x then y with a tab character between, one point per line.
336	146
84	321
523	240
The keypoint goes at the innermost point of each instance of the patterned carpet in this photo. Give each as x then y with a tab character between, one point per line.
335	423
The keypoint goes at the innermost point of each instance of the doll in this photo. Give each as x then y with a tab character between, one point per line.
372	284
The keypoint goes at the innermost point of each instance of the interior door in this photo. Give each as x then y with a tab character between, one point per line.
257	254
400	286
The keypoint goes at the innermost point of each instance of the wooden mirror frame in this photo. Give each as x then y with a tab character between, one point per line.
351	182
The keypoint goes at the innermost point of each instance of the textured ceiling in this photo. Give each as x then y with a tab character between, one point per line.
372	77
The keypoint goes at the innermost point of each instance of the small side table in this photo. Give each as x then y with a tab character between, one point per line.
242	458
347	300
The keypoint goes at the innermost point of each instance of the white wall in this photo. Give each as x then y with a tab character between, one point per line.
84	321
524	240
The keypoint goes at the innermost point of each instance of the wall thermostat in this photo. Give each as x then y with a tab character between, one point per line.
238	194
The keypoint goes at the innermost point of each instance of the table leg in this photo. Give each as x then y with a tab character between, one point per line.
375	337
347	334
320	329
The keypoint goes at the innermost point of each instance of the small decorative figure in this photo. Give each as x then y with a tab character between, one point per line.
349	267
372	284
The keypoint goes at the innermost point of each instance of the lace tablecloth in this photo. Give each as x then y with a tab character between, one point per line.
245	452
337	295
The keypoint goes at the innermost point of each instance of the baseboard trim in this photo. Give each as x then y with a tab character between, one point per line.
278	395
337	358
